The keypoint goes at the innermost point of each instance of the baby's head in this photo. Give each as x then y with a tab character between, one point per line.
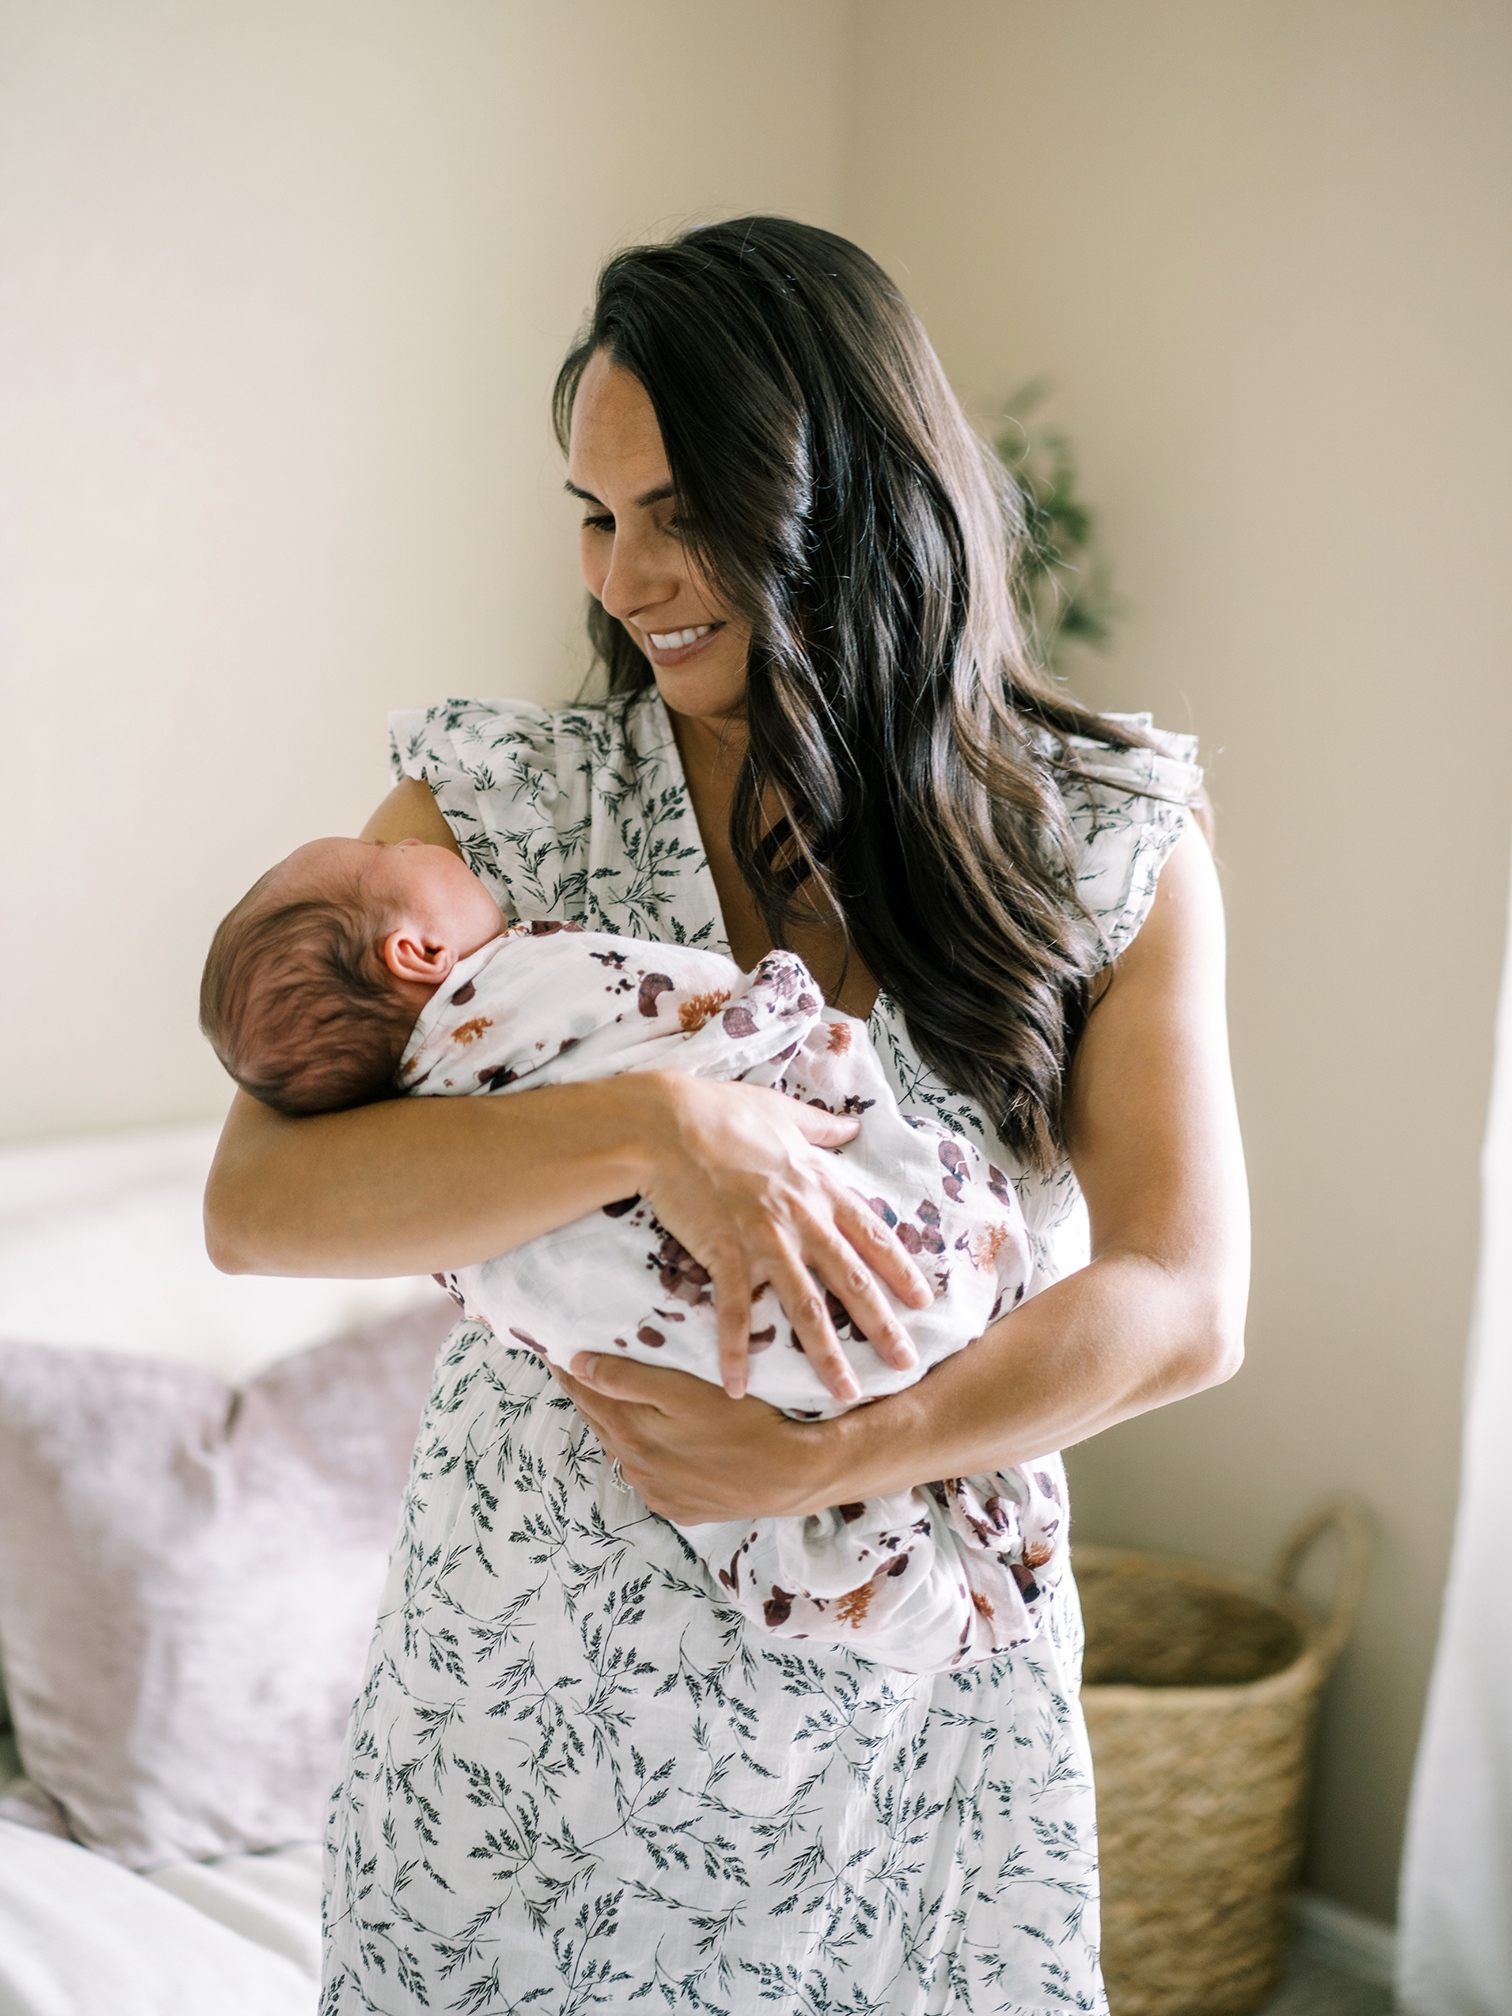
315	979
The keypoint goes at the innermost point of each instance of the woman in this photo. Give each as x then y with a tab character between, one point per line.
571	1780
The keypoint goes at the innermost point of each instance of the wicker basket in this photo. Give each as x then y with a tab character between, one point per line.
1201	1692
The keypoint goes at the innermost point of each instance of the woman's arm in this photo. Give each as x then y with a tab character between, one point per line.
1157	1315
414	1186
417	1186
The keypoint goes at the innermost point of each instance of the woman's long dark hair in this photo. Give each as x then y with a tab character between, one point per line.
830	486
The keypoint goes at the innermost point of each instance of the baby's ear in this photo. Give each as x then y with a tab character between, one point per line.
408	955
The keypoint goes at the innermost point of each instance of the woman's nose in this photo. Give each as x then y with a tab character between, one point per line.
639	577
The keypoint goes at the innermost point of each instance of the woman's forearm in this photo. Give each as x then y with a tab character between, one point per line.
737	1173
417	1186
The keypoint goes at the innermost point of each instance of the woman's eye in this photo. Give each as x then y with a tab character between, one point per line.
604	524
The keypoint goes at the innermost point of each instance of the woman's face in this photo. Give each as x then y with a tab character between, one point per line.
632	553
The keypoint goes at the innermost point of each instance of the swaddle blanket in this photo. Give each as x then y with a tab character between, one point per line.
942	1575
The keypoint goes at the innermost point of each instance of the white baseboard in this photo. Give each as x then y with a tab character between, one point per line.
1345	1939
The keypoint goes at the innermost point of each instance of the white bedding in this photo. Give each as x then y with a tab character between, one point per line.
80	1936
272	1899
100	1244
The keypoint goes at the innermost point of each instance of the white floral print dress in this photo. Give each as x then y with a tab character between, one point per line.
573	1779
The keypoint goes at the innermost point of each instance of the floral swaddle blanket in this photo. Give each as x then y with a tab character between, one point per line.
940	1576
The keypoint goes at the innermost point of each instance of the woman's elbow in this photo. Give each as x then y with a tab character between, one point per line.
1213	1347
1220	1355
240	1229
250	1191
225	1232
226	1257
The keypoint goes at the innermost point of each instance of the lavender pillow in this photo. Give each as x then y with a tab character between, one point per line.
189	1576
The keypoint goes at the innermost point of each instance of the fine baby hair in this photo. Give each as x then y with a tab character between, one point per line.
297	1003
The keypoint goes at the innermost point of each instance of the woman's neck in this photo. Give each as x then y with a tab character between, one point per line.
712	749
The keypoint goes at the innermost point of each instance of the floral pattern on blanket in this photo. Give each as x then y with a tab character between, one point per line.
575	1780
920	1579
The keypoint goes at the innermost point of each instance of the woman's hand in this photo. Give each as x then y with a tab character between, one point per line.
739	1175
692	1452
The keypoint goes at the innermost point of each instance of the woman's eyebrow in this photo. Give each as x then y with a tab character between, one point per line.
657	496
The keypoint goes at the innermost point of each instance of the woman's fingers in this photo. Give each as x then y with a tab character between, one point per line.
692	1452
623	1403
731	1280
628	1383
854	1288
879	1248
803	1301
748	1194
875	1247
610	1420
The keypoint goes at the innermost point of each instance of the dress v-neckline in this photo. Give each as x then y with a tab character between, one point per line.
703	871
702	876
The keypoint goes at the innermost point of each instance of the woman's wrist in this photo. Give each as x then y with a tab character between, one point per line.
881	1447
642	1129
817	1464
842	1461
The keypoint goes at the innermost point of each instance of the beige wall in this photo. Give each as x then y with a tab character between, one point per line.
284	288
1263	249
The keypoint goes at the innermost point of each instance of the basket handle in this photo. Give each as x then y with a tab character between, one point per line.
1344	1517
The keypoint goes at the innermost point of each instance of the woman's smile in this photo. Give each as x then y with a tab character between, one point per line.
676	647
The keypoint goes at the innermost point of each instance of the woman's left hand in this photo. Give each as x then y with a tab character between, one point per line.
693	1453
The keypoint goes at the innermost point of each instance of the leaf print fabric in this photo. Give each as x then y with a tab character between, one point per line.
573	1006
574	1779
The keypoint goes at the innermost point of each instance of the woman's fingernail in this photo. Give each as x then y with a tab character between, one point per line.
585	1365
905	1354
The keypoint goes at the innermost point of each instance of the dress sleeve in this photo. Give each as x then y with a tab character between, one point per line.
575	814
1128	808
493	767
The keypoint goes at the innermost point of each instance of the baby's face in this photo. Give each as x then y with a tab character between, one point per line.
425	889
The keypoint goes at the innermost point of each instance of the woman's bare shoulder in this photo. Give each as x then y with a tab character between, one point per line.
410	812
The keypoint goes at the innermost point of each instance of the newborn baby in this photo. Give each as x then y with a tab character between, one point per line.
354	970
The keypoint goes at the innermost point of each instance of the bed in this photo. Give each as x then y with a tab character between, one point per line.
245	1439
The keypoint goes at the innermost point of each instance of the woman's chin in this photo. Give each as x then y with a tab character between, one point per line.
705	692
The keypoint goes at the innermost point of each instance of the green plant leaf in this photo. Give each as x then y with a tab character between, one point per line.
1062	585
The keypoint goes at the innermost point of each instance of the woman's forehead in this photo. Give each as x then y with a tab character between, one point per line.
615	441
